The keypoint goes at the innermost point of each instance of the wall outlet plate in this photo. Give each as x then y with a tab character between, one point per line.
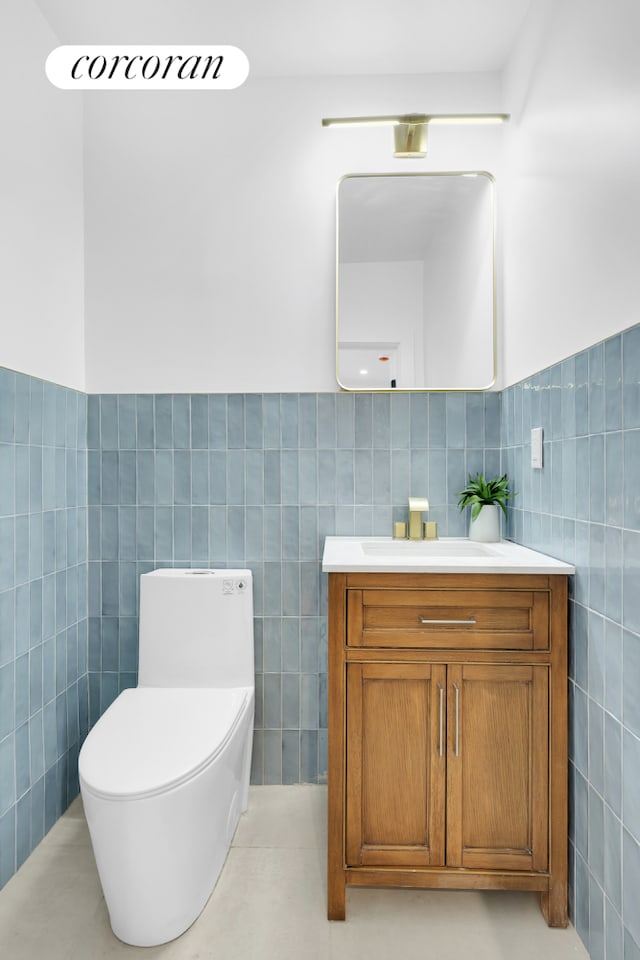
536	448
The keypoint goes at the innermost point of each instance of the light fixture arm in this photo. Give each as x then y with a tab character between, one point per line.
394	119
410	133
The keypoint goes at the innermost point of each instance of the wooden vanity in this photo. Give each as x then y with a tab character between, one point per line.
448	733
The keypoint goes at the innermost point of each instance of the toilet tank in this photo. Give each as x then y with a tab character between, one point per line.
196	628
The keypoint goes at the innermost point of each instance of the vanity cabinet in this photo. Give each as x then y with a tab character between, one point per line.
448	734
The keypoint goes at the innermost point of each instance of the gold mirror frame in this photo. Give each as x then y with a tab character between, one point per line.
492	327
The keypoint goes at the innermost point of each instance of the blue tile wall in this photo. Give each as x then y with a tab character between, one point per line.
258	480
43	607
583	506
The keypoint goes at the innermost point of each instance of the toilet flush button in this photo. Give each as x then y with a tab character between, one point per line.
234	586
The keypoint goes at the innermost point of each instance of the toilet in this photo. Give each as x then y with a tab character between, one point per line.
164	773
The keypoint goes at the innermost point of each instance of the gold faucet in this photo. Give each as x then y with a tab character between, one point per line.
417	506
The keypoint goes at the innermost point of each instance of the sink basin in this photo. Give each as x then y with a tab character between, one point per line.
438	549
446	555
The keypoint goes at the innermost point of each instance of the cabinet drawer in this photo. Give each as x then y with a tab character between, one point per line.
444	619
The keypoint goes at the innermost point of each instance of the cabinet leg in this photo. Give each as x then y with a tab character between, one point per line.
554	905
337	895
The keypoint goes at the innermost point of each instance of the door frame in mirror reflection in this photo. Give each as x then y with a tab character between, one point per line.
408	243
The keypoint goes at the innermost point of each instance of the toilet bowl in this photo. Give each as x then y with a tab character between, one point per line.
164	773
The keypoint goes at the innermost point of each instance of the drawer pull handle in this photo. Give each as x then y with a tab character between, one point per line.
440	741
457	744
470	622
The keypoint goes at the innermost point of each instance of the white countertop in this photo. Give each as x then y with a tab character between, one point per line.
445	555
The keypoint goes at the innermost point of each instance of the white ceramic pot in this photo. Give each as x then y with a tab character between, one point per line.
486	526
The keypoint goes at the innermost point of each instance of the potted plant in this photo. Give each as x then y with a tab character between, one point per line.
484	497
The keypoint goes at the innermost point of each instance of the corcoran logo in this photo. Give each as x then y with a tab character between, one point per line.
98	67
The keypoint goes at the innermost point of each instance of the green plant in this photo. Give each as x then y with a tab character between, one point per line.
479	492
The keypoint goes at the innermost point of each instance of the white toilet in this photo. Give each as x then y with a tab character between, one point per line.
164	773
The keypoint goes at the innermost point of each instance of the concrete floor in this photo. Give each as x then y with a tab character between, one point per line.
270	902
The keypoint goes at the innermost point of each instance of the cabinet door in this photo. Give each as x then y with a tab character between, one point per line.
497	771
396	746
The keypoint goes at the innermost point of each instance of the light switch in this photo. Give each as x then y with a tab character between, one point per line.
536	448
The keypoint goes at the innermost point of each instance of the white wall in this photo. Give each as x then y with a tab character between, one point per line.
210	217
572	202
41	204
210	254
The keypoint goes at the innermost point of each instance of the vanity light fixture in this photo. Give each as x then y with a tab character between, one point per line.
410	130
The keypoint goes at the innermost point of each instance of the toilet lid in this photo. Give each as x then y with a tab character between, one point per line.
153	738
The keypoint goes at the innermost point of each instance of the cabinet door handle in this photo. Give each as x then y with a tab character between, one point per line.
441	735
470	622
457	743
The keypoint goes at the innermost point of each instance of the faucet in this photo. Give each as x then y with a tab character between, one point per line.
417	506
417	530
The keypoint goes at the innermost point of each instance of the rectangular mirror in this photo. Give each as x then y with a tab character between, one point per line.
416	301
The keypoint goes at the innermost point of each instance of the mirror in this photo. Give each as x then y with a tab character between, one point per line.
416	282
